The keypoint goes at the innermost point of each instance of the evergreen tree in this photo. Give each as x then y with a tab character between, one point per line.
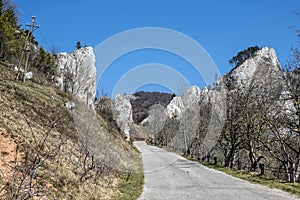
44	62
243	55
10	36
12	41
78	45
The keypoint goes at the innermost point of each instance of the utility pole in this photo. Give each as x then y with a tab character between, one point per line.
26	48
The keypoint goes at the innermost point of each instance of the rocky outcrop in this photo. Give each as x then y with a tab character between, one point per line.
191	96
123	113
189	100
77	74
175	107
185	108
209	106
264	62
264	59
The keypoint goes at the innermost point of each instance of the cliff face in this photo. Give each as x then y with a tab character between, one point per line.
264	61
175	107
259	67
208	107
77	74
123	113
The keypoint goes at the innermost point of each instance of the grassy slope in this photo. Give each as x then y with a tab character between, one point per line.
269	181
30	114
253	177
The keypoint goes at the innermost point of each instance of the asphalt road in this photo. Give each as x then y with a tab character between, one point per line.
169	176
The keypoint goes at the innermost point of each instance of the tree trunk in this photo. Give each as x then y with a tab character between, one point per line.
255	163
229	160
292	174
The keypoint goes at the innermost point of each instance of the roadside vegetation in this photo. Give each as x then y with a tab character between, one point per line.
257	178
131	186
253	177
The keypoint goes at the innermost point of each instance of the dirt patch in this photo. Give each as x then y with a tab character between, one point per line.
7	156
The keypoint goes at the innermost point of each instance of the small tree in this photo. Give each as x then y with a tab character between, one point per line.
78	45
157	118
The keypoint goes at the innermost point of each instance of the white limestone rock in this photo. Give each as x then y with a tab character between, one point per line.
175	108
191	97
77	74
123	113
244	73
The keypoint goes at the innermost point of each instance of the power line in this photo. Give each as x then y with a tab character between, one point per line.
26	48
22	10
27	15
44	38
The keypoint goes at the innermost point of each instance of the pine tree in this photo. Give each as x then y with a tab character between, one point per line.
78	45
243	55
11	36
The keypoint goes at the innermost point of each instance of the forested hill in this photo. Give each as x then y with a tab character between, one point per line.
144	100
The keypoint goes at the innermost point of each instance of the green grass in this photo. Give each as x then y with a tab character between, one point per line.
269	181
131	186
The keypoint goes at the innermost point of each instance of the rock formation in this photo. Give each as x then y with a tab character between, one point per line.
77	74
262	68
123	113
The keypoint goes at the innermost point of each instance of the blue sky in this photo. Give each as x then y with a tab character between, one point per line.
222	27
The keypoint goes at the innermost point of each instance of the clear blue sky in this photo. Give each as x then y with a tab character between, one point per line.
222	27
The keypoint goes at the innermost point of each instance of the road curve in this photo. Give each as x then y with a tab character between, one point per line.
169	176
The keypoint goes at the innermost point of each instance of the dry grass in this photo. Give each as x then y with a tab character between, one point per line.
33	119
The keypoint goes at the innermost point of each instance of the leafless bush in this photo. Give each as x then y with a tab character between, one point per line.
31	160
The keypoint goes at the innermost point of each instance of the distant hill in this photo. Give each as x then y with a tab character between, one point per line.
144	100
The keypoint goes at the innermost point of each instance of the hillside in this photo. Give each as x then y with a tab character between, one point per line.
144	100
43	154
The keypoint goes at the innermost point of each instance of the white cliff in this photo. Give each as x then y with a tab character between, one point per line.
261	67
189	100
191	97
77	74
175	107
244	73
123	113
264	61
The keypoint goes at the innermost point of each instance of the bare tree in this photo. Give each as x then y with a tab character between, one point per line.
156	121
248	106
197	143
285	123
